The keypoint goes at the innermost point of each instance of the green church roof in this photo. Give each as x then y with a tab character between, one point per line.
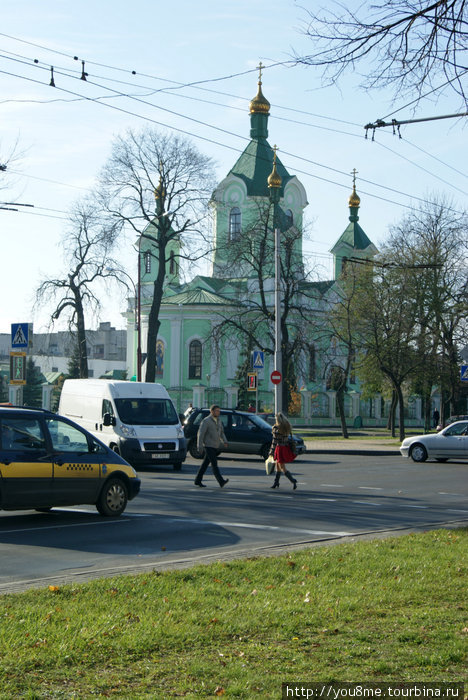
354	236
255	165
198	297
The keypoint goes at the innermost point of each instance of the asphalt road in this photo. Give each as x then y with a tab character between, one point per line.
175	523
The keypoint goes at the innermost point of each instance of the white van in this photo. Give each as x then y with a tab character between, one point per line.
136	419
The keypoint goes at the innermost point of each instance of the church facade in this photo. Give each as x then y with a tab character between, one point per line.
200	365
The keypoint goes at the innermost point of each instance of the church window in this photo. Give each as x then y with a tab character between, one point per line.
195	360
172	264
147	256
289	218
234	224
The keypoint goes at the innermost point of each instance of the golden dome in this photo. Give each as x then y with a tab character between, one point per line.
159	192
259	104
274	178
354	199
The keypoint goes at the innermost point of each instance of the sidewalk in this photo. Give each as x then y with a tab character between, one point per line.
353	446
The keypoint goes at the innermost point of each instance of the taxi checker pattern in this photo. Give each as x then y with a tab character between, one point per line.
47	460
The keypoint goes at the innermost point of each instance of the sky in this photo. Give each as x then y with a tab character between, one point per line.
63	135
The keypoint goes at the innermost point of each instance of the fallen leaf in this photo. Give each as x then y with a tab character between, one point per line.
219	690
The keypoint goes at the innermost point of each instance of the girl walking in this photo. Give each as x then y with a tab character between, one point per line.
281	449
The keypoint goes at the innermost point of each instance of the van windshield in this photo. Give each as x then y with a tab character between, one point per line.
146	411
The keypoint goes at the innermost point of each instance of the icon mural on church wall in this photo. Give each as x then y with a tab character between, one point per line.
159	358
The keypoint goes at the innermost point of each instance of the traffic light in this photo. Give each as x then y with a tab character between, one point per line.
17	368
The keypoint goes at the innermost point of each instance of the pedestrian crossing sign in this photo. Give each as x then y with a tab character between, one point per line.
464	373
19	335
258	359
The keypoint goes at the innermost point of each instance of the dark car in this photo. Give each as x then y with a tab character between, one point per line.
47	460
246	433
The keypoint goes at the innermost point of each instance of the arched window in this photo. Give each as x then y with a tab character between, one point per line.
289	218
235	223
147	255
172	263
195	360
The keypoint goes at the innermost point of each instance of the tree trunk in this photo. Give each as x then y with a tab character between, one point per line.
391	416
81	335
401	411
341	411
153	318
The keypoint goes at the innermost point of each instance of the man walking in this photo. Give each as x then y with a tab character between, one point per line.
210	437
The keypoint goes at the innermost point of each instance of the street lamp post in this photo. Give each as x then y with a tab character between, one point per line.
138	317
274	184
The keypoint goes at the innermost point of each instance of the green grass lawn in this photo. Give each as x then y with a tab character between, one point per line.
382	610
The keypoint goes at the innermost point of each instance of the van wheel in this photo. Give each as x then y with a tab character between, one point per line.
177	466
116	449
113	498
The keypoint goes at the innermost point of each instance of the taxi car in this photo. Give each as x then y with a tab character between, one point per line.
47	460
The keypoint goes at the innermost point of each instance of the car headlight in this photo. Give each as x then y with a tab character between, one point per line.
180	432
127	430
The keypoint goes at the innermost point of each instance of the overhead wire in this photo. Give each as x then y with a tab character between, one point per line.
184	116
120	94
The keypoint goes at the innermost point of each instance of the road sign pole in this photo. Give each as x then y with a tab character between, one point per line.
278	363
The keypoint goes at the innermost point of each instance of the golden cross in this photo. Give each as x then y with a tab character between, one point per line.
275	148
354	172
260	66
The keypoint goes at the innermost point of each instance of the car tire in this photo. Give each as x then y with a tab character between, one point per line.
113	498
177	466
418	453
194	451
115	449
265	451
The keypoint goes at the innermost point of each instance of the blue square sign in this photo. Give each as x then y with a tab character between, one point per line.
464	373
19	335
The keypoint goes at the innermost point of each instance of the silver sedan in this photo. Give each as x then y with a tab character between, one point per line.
449	443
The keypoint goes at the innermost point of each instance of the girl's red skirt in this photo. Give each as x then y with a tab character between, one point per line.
284	454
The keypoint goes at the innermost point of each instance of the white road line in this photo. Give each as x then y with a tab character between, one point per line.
454	510
447	493
367	503
417	506
335	486
254	526
61	526
371	488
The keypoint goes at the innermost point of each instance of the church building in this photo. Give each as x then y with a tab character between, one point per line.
198	363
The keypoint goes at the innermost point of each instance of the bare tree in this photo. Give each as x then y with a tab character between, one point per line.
146	165
407	44
87	245
434	241
251	315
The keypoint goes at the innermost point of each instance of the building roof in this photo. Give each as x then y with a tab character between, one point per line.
254	167
354	236
197	297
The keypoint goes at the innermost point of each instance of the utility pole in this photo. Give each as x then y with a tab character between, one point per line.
274	183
